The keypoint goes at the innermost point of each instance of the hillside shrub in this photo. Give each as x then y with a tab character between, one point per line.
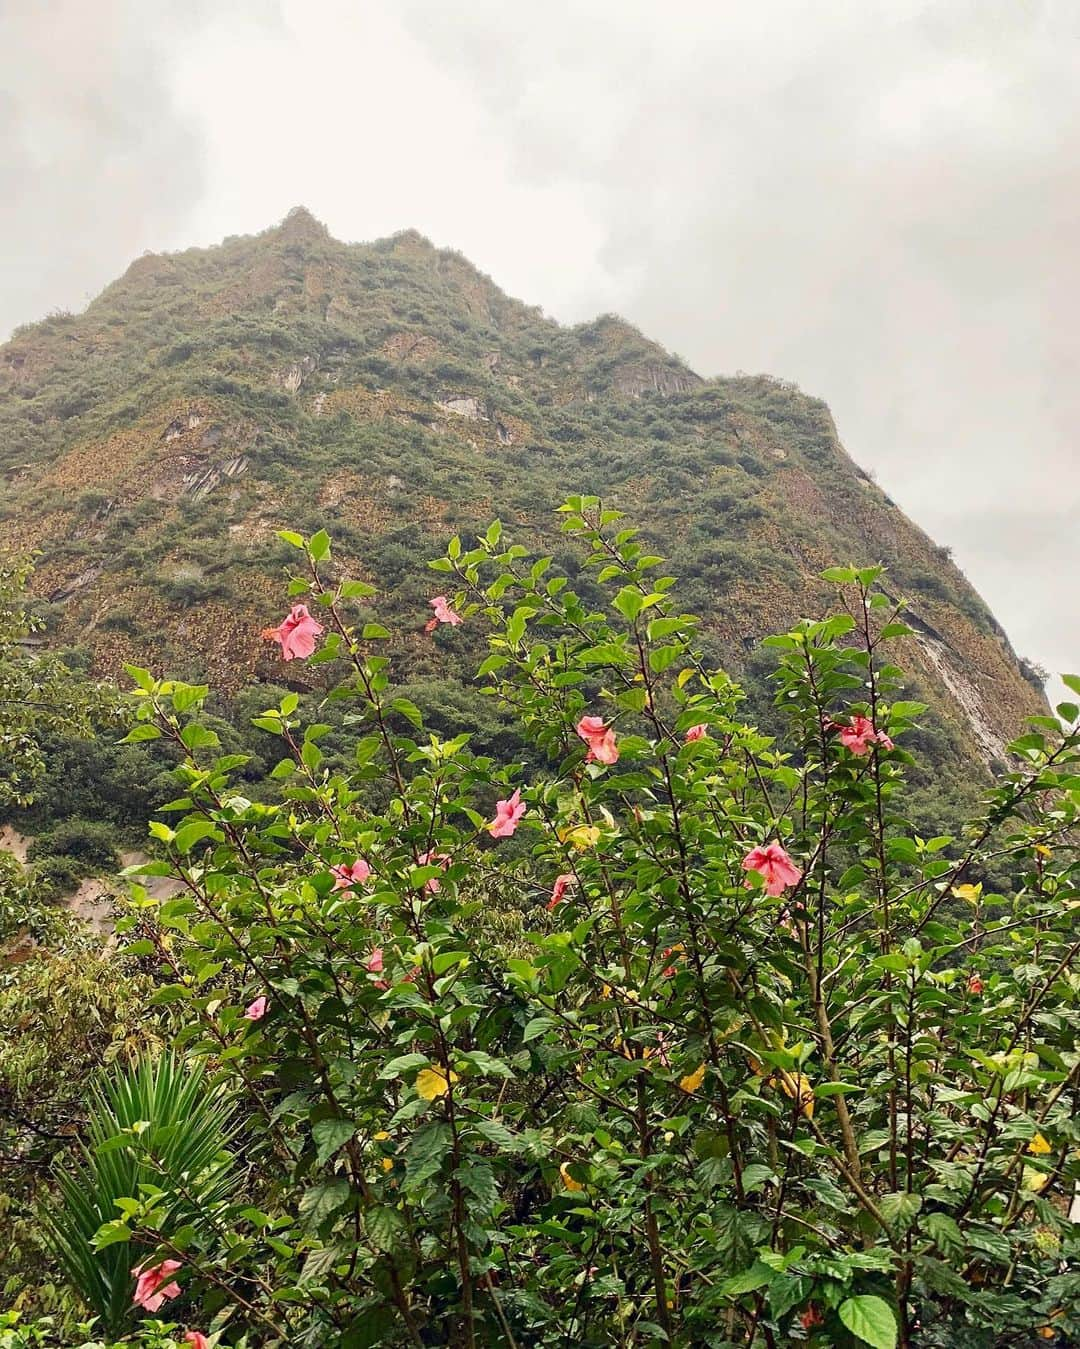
687	1038
87	846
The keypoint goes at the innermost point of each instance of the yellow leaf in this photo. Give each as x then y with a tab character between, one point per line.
1039	1147
692	1081
580	836
381	1136
1043	850
972	893
567	1179
431	1082
388	1163
1035	1181
800	1084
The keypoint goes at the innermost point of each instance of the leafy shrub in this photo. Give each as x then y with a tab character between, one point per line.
66	1008
54	877
175	1125
86	845
761	1062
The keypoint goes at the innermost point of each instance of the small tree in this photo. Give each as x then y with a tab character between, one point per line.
689	1040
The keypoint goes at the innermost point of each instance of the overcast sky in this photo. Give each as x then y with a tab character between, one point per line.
878	199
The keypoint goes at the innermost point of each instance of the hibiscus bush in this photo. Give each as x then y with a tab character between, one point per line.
688	1039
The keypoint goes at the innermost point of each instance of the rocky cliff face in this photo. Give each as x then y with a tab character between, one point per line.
151	447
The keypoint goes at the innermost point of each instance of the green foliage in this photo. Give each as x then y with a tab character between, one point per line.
66	1008
686	1099
88	844
36	691
155	1152
146	521
45	1333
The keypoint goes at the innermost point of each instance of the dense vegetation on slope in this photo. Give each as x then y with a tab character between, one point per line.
152	446
675	1034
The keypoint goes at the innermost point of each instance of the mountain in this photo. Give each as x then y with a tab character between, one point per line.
151	447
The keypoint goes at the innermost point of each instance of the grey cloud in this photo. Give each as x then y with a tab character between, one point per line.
96	165
878	202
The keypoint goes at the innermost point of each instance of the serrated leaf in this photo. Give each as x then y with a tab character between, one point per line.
900	1209
496	1134
318	1203
425	1153
330	1135
386	1229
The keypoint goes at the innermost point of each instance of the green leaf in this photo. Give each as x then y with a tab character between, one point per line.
899	1209
409	710
318	1264
188	696
629	602
319	546
198	737
945	1233
318	1203
189	834
496	1133
108	1234
289	536
539	1025
757	1276
664	627
142	732
870	1319
404	1063
842	576
143	678
386	1228
1070	681
425	1153
330	1135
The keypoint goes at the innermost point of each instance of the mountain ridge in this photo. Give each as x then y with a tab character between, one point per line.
152	446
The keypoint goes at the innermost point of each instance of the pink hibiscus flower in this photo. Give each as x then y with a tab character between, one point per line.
698	732
374	965
433	886
860	735
256	1010
295	634
346	875
153	1286
678	951
196	1339
600	740
558	890
443	614
507	814
775	865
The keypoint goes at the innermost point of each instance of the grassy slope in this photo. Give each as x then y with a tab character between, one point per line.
152	446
